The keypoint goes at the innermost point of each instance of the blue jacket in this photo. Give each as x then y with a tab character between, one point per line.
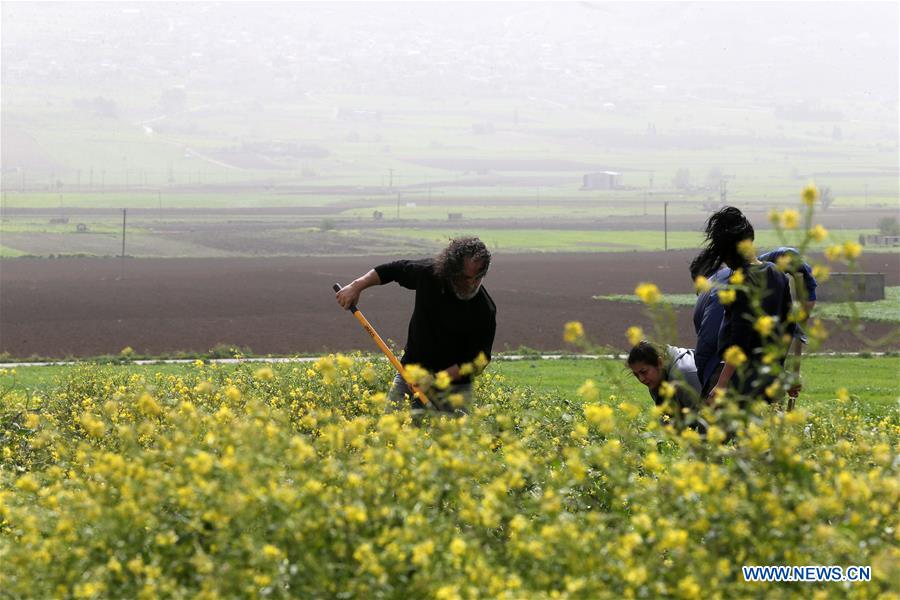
709	314
809	282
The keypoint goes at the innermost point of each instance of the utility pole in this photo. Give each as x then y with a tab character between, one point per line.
666	226
124	213
391	179
398	206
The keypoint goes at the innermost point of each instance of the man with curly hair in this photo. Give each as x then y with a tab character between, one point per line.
453	323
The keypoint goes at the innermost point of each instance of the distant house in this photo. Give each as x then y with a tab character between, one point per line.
602	180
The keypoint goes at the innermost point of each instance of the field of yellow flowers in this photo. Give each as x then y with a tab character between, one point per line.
292	481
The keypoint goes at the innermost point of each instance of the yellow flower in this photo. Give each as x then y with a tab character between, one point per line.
126	351
600	416
715	434
636	576
784	263
821	273
481	362
790	218
817	330
774	216
93	427
232	393
764	325
457	547
666	390
588	391
27	483
416	374
270	551
202	463
573	331
726	297
652	463
369	374
634	335
673	539
422	553
818	233
735	356
264	374
442	380
642	521
648	293
148	405
689	589
810	194
737	278
835	252
629	409
702	284
447	592
746	249
204	387
852	250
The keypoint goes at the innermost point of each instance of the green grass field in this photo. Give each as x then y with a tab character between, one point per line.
873	380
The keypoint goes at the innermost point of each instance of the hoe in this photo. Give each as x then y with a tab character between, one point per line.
387	351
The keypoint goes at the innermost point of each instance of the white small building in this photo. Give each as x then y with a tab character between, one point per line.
602	180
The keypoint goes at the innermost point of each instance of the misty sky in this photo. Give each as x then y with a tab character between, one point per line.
574	52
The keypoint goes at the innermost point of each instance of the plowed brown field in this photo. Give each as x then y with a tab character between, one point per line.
81	307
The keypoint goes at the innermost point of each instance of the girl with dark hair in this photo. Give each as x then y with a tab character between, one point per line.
756	309
654	366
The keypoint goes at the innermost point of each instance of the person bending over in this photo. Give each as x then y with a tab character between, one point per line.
654	367
452	325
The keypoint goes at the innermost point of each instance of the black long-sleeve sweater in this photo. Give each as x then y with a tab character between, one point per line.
443	330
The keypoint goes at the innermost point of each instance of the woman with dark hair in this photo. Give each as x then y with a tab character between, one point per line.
756	310
654	366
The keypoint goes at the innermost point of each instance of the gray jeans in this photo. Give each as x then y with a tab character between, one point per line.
400	397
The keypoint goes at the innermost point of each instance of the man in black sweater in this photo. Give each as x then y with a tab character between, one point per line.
453	323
